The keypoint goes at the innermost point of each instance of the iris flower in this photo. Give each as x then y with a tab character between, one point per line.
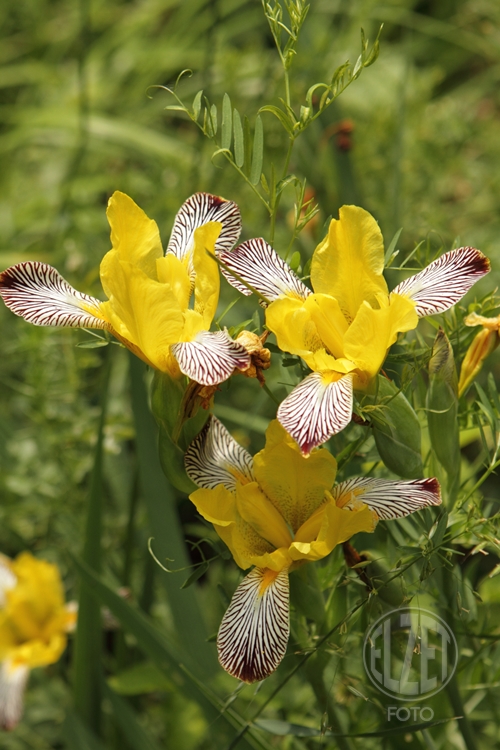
344	329
34	621
484	343
277	511
148	307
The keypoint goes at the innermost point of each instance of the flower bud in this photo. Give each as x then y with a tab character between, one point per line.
485	342
442	405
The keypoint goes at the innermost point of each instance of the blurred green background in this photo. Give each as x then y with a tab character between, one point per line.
415	140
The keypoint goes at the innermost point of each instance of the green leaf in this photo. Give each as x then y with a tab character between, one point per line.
195	575
392	246
87	659
197	105
93	344
258	152
166	529
77	735
214	119
239	145
295	261
140	679
397	431
227	123
283	117
126	719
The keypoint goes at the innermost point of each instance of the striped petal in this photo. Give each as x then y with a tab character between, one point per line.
39	294
13	681
316	409
445	281
388	499
261	266
199	209
7	578
254	632
211	357
214	457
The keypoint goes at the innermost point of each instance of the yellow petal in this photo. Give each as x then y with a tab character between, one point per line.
492	324
254	507
329	321
207	278
218	506
337	526
482	345
133	235
293	326
170	270
277	560
294	484
374	331
141	310
349	263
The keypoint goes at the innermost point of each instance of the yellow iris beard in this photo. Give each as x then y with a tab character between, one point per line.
149	293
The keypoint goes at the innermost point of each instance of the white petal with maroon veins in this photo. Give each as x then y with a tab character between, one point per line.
198	210
315	410
211	357
39	294
254	632
388	499
445	281
261	266
214	457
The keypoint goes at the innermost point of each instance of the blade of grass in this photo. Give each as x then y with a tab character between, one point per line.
87	659
126	718
78	736
167	532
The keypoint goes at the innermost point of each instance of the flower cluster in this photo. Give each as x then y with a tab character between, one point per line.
281	508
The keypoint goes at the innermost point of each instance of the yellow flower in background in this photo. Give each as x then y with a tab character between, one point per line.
276	511
484	343
34	621
344	329
149	293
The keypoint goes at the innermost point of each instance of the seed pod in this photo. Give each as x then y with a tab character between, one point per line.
397	431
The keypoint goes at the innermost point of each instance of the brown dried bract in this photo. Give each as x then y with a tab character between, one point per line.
260	356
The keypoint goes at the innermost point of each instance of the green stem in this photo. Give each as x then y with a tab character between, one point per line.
324	698
277	198
464	724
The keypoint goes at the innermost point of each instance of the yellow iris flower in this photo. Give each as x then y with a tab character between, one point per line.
344	329
483	344
149	293
276	511
34	621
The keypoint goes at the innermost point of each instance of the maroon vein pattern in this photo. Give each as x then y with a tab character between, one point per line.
445	281
390	499
199	209
39	294
211	358
314	411
261	266
214	457
254	632
12	684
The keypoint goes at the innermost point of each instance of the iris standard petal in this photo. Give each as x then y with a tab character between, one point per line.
349	263
373	331
294	486
291	322
206	270
445	281
254	632
134	236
